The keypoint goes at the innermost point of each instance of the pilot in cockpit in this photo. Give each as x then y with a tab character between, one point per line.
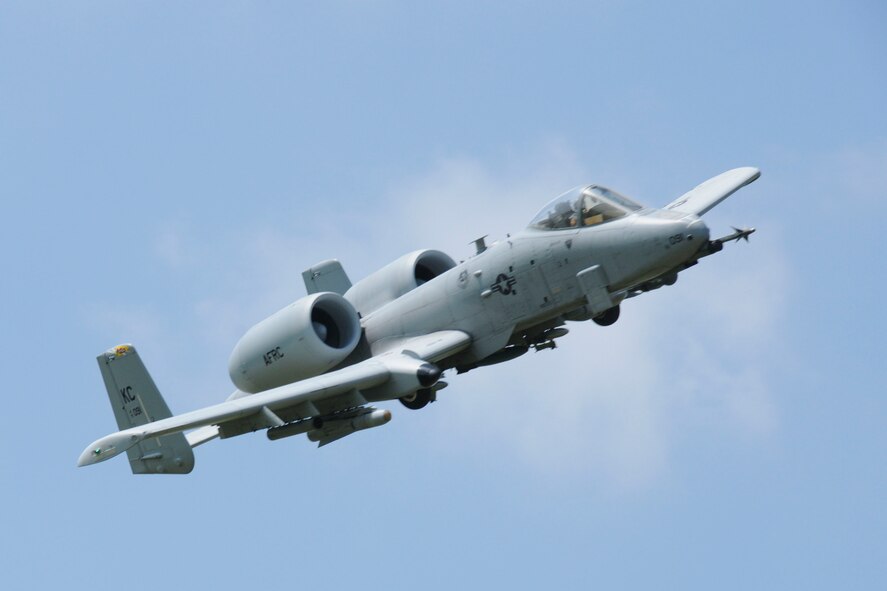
564	216
583	207
590	214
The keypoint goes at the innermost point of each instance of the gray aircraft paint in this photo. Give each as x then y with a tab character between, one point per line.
544	266
418	315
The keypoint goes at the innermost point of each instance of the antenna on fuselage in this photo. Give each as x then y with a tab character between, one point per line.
480	244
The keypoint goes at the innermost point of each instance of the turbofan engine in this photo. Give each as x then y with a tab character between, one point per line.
305	339
397	278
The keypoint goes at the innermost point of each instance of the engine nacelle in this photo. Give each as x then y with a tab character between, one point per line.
397	278
305	339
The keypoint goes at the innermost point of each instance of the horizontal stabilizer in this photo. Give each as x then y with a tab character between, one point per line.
714	190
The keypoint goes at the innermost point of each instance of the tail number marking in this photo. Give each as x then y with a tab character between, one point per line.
128	398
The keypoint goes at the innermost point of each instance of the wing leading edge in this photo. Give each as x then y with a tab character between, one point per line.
708	194
394	372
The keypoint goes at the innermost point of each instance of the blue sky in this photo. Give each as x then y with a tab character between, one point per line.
167	170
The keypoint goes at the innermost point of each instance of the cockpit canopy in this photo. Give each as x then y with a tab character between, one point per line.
582	207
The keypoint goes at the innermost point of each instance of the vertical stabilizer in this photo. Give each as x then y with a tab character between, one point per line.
136	401
326	276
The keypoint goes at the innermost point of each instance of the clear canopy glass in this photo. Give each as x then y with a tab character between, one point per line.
583	207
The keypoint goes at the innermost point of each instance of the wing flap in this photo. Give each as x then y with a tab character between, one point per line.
705	196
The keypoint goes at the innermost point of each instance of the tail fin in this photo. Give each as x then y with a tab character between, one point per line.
326	276
136	401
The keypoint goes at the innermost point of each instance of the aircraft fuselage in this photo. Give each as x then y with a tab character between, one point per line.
533	278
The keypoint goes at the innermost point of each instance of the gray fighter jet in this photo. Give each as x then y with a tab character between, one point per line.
318	366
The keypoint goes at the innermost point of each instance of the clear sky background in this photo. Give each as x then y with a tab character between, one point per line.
168	169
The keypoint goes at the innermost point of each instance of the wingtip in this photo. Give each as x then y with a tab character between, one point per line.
106	448
749	173
753	173
92	455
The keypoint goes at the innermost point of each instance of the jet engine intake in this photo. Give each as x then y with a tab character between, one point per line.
307	338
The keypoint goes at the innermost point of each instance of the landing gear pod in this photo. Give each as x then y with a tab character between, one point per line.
307	338
607	317
418	399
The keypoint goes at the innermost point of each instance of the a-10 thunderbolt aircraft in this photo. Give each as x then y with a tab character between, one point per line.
320	364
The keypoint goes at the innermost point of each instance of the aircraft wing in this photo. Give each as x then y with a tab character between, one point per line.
394	369
714	190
